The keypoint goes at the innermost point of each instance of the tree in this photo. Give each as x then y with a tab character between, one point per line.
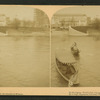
96	23
72	21
62	22
16	23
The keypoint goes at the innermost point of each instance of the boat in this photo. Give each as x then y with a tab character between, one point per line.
65	65
73	32
3	31
3	34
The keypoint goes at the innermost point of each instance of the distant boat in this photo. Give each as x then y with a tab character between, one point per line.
3	34
74	32
65	65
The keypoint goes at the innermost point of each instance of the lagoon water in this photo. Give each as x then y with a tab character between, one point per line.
89	73
24	61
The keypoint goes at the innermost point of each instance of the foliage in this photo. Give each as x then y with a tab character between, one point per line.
96	23
15	23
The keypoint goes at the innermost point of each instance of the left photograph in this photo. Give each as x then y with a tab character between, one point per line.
24	47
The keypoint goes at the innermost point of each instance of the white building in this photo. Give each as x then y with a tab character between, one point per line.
66	20
2	20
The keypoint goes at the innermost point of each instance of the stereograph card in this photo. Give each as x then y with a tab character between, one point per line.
50	50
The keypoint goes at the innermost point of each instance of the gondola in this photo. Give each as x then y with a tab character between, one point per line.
74	32
65	65
3	34
3	31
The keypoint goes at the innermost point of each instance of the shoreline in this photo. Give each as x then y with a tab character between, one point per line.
33	34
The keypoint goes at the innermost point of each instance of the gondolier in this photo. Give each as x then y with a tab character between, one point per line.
75	50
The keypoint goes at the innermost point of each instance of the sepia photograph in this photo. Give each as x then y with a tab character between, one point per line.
50	50
75	47
24	47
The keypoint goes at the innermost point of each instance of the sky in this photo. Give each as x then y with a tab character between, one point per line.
88	10
26	13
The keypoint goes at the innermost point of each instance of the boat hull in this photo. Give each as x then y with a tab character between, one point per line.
73	32
64	70
3	34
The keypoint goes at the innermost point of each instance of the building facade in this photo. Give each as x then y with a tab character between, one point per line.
2	20
65	20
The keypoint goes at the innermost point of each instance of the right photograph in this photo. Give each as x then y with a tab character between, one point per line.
75	47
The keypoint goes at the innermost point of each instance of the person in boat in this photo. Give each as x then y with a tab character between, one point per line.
75	50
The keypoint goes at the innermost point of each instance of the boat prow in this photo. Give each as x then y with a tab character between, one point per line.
65	64
3	34
73	32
